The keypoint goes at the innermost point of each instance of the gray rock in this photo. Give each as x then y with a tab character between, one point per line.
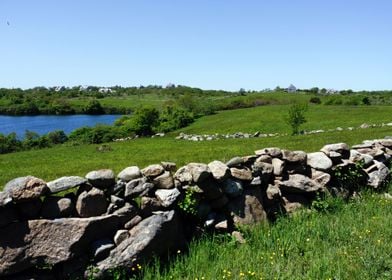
298	183
137	187
169	166
235	161
340	148
56	207
164	181
120	236
248	209
294	202
153	170
378	178
241	174
183	175
357	157
264	158
232	188
294	156
273	192
25	189
129	173
126	213
101	179
320	177
199	171
272	152
238	237
167	197
278	166
148	205
386	142
91	203
219	170
133	222
100	249
23	245
5	199
118	201
319	161
222	226
66	183
146	239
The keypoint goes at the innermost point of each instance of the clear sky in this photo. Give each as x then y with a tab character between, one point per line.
211	44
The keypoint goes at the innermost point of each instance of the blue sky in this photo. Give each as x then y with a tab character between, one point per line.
211	44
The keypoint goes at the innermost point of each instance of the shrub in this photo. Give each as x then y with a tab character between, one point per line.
315	100
296	117
173	118
143	122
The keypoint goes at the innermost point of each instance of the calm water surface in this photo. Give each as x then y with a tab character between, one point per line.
44	124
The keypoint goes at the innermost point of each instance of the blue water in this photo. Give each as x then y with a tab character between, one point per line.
44	124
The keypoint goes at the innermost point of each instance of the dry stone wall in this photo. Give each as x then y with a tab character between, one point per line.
63	228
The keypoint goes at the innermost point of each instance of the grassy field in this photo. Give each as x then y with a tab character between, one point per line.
350	242
270	119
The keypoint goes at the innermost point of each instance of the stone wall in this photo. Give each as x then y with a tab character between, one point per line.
63	228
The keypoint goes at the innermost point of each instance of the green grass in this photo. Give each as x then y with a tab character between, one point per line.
59	161
269	119
352	242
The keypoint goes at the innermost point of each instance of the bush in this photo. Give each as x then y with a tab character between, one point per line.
315	100
173	118
93	108
143	122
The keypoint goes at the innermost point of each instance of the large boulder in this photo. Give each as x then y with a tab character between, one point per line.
241	173
294	156
25	189
248	209
66	183
183	175
164	181
101	179
153	170
272	152
378	175
91	203
152	236
24	245
319	161
298	183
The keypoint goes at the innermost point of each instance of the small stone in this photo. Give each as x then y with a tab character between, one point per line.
101	179
222	226
133	222
100	249
129	173
91	203
294	156
164	181
219	170
66	183
56	207
235	161
238	237
272	152
319	161
199	171
137	187
278	166
169	166
167	197
241	174
149	205
120	236
153	170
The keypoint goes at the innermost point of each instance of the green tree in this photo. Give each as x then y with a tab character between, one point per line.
94	108
296	117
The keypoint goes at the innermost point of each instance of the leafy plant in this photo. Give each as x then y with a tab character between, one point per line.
189	203
296	117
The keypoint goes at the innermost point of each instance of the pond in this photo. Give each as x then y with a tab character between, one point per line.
43	124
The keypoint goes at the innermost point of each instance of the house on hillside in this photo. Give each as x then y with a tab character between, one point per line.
291	89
